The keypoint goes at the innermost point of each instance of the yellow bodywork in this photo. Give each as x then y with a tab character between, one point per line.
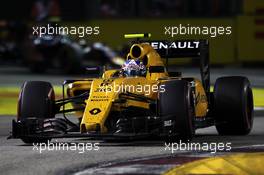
106	90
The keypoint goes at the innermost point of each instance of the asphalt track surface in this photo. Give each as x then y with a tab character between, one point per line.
123	157
134	157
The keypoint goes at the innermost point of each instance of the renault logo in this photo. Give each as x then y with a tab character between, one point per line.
95	111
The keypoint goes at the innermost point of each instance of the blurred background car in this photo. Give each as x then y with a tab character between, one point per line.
57	51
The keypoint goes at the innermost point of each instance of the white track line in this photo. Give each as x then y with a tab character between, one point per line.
248	146
128	169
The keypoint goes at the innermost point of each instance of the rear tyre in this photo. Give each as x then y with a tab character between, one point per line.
176	107
36	100
233	105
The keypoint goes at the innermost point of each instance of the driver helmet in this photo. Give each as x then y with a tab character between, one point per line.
134	68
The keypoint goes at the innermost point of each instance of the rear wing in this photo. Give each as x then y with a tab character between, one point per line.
195	49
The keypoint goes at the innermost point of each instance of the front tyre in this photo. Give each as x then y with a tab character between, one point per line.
36	101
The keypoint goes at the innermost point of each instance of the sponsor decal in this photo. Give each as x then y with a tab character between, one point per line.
95	111
175	45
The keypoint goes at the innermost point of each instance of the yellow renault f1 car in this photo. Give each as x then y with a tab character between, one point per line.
157	103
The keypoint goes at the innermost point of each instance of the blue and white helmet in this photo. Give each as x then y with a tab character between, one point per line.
134	68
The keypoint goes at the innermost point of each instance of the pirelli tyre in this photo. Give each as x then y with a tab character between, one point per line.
176	107
36	100
233	105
